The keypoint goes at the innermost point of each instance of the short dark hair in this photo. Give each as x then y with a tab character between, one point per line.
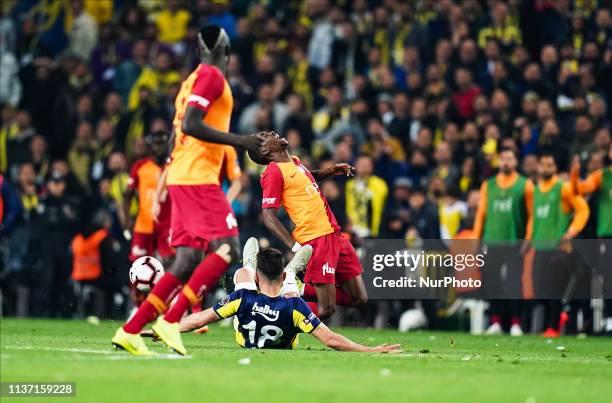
258	157
509	149
547	154
270	263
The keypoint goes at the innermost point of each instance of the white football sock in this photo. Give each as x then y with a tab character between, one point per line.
609	324
289	277
246	285
289	285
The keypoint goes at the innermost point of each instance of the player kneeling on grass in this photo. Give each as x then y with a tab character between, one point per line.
272	315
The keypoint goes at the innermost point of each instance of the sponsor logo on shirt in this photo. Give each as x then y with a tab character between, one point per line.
265	311
543	211
503	205
230	220
269	200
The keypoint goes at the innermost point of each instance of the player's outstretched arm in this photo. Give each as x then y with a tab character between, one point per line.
338	342
337	169
191	322
197	320
193	125
590	184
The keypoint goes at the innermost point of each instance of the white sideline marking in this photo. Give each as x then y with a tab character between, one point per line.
115	355
65	350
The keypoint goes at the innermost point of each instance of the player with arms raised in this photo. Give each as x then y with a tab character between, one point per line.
333	275
202	220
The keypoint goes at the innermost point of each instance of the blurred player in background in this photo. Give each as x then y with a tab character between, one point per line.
150	235
333	275
504	217
231	172
553	228
600	182
268	309
202	220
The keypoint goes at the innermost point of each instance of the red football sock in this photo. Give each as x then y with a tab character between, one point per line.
156	302
203	278
516	320
342	297
313	307
496	319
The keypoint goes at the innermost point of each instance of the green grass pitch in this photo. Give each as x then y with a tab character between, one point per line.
440	367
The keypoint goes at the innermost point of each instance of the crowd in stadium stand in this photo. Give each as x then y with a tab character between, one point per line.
419	96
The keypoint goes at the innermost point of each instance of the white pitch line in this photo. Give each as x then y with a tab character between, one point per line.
115	355
64	350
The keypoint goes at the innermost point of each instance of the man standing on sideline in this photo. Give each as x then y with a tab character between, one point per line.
553	229
504	216
601	181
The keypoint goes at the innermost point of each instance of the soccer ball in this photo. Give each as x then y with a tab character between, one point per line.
146	272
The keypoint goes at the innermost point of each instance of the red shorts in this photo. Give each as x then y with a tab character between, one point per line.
156	243
333	261
200	214
151	244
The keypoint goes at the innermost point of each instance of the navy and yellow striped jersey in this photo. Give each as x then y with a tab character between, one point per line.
267	322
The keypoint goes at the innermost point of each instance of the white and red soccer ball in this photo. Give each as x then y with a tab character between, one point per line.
146	272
